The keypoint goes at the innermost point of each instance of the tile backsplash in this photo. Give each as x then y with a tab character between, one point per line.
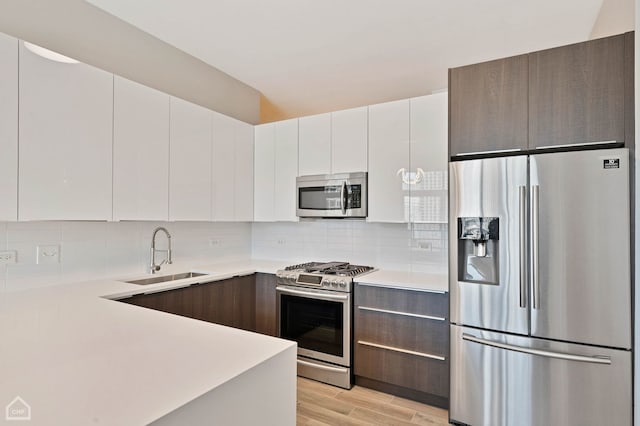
405	247
89	250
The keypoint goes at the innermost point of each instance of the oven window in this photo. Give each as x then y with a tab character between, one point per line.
316	325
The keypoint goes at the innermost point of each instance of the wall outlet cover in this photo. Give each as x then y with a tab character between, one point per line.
48	254
8	257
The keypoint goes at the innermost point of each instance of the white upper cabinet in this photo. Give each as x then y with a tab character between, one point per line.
224	139
264	172
389	129
8	128
276	169
315	145
429	158
140	152
190	162
349	140
244	172
65	152
232	169
286	170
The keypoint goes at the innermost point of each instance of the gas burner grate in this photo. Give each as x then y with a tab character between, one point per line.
305	266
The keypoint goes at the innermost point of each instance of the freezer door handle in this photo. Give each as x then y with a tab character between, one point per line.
523	246
535	225
538	352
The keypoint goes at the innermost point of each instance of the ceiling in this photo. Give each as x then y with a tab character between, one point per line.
309	56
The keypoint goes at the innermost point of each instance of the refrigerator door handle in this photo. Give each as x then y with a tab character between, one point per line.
523	245
535	222
538	352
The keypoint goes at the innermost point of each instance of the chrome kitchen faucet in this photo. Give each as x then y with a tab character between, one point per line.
154	268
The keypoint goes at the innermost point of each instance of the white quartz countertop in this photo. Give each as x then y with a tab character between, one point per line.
78	358
407	280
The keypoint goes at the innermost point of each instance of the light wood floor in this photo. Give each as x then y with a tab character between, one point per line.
322	405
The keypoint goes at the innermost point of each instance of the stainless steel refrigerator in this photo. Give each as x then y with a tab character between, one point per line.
540	290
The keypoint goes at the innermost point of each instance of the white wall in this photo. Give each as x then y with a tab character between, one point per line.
91	250
82	31
615	17
417	247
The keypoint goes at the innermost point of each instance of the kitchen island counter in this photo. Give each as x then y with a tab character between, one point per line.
76	357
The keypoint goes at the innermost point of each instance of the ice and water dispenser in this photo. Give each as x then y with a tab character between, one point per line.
478	259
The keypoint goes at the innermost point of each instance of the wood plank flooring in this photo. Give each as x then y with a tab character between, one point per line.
322	405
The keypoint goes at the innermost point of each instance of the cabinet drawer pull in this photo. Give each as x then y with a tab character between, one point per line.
569	145
404	351
405	314
495	151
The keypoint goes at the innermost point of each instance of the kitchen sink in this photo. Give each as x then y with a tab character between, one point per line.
166	278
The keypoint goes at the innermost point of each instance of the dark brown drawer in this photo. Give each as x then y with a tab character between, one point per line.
408	301
402	331
402	369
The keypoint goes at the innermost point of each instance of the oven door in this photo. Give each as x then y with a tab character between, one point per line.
319	321
339	195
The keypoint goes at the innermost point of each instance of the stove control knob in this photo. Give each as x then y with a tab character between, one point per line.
343	284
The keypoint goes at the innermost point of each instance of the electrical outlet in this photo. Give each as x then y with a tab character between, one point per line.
213	242
8	256
48	254
281	241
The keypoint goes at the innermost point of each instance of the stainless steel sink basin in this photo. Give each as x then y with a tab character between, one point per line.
166	278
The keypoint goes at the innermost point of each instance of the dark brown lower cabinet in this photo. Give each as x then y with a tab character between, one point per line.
230	302
401	342
266	316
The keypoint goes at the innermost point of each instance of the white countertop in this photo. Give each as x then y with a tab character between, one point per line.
77	357
407	280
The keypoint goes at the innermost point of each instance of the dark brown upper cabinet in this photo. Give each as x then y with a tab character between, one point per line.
576	94
488	106
573	95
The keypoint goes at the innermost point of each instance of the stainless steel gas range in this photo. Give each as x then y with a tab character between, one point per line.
315	309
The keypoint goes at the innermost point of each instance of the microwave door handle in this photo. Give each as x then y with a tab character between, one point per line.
343	194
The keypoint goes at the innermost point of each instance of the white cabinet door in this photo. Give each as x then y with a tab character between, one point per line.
429	158
315	145
264	173
224	139
232	169
349	140
65	153
190	162
8	128
286	170
140	152
244	172
389	162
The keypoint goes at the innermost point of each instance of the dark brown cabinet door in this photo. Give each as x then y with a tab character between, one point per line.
178	301
488	105
266	320
401	338
577	93
214	302
244	302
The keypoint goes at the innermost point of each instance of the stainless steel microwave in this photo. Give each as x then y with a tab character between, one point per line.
341	195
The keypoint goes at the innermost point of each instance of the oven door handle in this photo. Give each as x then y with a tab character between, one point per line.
340	297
